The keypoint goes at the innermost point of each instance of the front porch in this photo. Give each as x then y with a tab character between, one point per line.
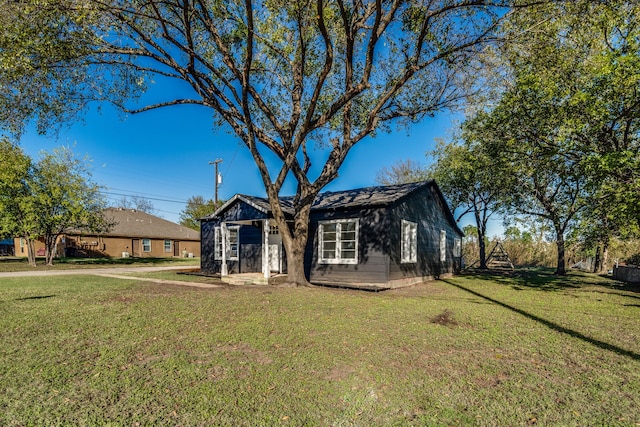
249	251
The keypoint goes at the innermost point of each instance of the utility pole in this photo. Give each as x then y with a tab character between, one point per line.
217	179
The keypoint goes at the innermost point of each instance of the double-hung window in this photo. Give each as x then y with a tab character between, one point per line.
409	242
232	243
146	245
338	241
167	245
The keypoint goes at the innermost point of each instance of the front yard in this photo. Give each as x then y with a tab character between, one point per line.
20	264
528	349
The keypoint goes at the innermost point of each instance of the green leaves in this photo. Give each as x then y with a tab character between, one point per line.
47	198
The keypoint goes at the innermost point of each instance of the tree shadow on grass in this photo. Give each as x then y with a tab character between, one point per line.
35	297
554	326
543	279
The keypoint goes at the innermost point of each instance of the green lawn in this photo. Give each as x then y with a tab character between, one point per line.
476	350
21	264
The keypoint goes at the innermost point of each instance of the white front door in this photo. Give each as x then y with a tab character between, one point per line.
274	258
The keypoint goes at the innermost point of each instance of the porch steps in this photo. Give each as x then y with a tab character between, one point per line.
252	279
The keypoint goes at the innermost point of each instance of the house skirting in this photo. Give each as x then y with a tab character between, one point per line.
279	279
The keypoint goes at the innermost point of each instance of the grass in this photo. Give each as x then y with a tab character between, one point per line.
525	349
21	264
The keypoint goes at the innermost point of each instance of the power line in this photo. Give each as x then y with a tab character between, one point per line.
143	197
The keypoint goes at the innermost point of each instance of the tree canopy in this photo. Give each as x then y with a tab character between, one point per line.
564	135
44	199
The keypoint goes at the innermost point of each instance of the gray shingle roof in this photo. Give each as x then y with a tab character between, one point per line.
359	197
365	197
132	223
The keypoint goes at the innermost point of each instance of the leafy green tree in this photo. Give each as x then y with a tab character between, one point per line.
43	64
287	74
18	216
65	198
197	207
47	198
465	174
541	179
565	132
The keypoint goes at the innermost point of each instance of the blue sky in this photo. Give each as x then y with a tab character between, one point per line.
164	154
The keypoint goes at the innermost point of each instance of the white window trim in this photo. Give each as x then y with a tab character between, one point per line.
338	259
217	244
457	247
237	255
170	248
409	242
143	245
443	246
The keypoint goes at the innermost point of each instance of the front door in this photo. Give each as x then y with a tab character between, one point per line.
274	258
176	248
135	244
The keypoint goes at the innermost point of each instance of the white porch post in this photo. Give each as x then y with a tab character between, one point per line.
266	268
223	231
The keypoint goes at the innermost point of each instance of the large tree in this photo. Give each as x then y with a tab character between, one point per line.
17	214
65	198
44	199
565	132
465	173
283	75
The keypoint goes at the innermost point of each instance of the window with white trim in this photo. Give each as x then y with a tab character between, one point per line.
443	245
457	248
146	245
233	234
409	242
167	245
338	241
217	245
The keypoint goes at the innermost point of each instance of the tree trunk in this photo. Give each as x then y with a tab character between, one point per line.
605	258
482	229
483	250
295	243
560	269
31	251
597	265
50	249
